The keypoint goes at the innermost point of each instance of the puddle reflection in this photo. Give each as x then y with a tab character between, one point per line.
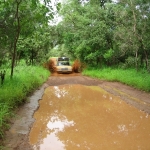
72	117
56	124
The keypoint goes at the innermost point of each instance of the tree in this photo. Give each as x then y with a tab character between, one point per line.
130	32
87	30
20	19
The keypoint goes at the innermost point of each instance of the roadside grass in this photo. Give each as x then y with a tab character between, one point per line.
139	80
14	91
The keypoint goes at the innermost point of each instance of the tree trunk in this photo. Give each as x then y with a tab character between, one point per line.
136	60
134	32
16	37
146	60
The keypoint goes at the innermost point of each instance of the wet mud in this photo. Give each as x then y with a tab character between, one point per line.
72	117
81	123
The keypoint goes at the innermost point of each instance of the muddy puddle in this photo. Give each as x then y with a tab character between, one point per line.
78	117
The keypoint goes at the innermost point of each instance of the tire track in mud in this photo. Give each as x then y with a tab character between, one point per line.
140	101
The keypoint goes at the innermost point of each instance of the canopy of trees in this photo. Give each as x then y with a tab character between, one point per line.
25	31
107	32
97	32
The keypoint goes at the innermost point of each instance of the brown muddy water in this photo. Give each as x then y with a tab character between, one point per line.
73	117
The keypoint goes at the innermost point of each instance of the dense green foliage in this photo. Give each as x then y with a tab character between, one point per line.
107	33
129	77
96	32
25	32
14	92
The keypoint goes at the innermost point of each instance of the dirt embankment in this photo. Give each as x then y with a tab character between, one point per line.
17	136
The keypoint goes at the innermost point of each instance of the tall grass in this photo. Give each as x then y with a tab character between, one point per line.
14	91
139	80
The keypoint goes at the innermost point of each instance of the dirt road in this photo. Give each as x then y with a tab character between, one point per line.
17	136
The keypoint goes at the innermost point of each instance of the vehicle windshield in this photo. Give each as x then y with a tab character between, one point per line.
63	63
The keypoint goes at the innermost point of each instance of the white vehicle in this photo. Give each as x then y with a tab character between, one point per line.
62	64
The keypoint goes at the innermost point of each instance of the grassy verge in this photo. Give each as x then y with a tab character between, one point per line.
139	80
14	91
